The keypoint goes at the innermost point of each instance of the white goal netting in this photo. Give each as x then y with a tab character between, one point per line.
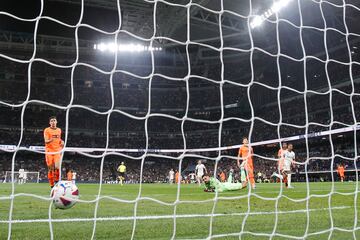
163	84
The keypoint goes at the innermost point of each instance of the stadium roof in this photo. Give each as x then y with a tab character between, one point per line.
137	17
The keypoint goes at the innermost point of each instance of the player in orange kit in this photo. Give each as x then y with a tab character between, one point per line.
341	171
177	177
222	176
245	153
69	175
53	143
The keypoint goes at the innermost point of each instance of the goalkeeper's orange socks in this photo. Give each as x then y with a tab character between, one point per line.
51	178
56	175
252	182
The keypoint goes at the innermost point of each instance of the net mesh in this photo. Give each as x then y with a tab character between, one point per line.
301	58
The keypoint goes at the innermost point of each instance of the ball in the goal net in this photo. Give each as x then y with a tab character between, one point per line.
65	194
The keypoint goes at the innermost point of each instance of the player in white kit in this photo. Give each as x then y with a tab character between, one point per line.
25	177
73	177
192	177
171	176
21	176
200	170
289	160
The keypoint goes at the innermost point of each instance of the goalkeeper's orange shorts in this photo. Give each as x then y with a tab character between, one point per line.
52	159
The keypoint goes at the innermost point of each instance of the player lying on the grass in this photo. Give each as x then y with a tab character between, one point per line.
214	185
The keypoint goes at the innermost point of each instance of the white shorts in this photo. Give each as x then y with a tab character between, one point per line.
199	175
287	167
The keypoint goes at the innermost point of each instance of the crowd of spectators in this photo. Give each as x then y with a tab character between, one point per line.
322	156
122	102
320	159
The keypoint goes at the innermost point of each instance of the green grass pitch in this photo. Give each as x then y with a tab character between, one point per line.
193	210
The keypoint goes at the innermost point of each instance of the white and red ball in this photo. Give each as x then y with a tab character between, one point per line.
65	194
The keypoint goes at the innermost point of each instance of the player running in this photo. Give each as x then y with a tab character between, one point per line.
280	155
214	185
245	153
289	160
53	143
200	170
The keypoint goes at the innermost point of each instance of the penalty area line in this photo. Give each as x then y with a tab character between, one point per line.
169	216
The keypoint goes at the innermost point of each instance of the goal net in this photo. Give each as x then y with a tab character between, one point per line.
22	177
162	84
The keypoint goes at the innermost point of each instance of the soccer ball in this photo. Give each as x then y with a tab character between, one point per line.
65	194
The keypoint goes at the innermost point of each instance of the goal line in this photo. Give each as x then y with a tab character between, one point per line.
172	216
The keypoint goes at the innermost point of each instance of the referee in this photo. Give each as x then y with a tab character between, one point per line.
121	169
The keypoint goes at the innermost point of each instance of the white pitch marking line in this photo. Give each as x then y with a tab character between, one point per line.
169	216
